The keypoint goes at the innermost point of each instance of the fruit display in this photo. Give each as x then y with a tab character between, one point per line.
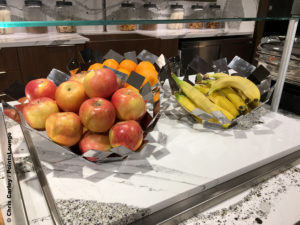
40	88
91	110
38	110
126	133
221	97
129	104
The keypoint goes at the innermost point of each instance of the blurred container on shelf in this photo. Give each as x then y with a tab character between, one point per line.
213	12
33	12
127	12
5	16
269	54
197	12
177	13
233	9
65	11
148	12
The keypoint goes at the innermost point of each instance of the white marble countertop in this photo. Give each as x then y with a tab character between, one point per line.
52	38
272	202
164	173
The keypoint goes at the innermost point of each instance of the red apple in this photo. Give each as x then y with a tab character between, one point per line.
126	133
13	114
78	77
120	83
64	128
23	100
129	104
97	114
38	110
100	83
40	88
94	141
70	95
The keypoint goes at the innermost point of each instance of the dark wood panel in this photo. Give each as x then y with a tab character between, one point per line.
9	68
6	79
122	43
169	47
9	59
121	47
38	61
240	47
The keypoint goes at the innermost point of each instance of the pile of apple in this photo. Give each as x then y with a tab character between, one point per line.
92	109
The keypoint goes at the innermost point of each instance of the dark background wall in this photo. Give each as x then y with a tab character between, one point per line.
278	8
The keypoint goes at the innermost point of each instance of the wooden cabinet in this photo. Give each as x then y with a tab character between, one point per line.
36	62
122	43
9	68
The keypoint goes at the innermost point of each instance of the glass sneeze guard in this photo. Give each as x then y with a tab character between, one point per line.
137	21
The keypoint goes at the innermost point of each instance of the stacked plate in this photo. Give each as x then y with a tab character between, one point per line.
269	54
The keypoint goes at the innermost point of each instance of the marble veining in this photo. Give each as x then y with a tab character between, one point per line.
259	205
178	162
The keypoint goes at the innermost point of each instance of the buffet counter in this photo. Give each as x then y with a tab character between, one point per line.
177	163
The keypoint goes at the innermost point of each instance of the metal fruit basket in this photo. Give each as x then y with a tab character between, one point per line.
136	80
259	75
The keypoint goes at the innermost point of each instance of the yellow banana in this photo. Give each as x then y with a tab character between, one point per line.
219	99
244	97
253	105
246	86
202	88
227	114
198	119
199	99
187	104
224	103
195	96
216	75
236	100
209	83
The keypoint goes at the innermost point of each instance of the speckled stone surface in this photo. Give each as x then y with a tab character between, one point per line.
77	212
257	205
251	209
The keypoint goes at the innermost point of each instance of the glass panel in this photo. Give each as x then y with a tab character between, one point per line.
90	12
120	22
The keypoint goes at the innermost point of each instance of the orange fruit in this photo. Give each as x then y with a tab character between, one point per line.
124	71
131	87
156	97
95	66
144	65
150	75
128	65
111	63
72	72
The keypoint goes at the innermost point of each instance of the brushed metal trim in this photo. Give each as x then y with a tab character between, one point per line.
200	202
41	176
18	206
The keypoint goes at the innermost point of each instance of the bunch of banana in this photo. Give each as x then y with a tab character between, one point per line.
249	89
232	95
196	99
